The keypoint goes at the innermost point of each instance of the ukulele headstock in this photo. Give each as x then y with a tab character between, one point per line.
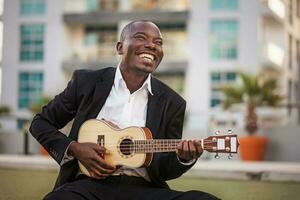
221	144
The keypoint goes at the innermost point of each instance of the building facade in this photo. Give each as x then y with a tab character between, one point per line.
206	42
239	35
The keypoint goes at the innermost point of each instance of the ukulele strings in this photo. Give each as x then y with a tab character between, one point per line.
129	144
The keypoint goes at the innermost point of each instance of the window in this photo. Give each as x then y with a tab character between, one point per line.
224	4
215	77
215	102
219	79
20	124
32	42
230	76
174	5
33	7
100	42
30	88
175	37
108	5
223	39
92	5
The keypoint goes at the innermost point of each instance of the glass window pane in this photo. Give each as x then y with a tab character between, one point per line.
32	42
32	7
224	4
219	80
215	77
231	76
215	102
92	5
30	88
223	39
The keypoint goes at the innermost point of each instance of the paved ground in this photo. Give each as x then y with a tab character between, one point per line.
237	170
33	176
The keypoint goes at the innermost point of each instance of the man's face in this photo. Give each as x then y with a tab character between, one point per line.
142	48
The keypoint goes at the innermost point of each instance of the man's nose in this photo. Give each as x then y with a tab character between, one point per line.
150	44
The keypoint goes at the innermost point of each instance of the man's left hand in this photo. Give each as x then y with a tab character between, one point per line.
188	150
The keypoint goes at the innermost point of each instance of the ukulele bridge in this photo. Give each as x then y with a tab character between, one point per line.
100	142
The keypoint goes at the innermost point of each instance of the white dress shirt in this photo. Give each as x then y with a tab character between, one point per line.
125	109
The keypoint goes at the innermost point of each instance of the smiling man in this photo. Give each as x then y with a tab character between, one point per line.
125	96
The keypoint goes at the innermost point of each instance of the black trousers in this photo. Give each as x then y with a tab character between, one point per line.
120	188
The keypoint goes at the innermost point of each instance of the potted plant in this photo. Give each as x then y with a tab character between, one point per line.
254	91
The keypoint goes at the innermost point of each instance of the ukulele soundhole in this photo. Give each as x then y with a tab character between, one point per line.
126	147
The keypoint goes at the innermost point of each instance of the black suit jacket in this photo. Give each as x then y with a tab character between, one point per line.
83	99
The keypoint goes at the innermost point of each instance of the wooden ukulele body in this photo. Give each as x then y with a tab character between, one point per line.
101	132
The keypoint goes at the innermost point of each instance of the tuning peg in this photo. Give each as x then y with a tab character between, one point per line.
217	132
230	156
229	131
217	156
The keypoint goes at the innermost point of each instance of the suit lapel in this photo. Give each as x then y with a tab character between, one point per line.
101	92
155	108
156	102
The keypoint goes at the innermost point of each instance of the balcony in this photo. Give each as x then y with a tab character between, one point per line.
272	56
104	12
94	48
109	18
166	67
273	10
85	6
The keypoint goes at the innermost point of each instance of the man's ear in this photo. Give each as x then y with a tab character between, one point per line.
119	47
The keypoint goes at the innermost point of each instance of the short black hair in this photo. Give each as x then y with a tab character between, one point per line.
127	28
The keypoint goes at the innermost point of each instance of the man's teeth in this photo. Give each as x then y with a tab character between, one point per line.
147	56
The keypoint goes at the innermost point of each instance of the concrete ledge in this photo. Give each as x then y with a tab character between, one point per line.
35	162
263	171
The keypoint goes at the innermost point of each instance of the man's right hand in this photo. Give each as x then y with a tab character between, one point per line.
89	154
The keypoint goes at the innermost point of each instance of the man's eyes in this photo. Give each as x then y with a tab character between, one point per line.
159	43
141	37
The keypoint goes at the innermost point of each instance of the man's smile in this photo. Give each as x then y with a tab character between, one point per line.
147	57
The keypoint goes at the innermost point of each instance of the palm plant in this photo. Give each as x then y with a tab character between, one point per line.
254	91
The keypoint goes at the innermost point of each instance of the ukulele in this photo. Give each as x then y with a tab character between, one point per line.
134	146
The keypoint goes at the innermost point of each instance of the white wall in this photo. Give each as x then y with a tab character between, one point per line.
50	66
197	86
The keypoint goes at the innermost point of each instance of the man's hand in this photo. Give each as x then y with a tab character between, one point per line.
188	150
89	154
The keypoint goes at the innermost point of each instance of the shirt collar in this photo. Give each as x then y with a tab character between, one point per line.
119	80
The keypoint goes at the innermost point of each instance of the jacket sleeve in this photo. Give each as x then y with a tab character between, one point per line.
167	165
54	116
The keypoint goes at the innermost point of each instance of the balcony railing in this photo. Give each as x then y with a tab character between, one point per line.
84	6
272	55
274	9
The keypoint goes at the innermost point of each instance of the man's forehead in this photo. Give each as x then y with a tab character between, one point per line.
144	27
